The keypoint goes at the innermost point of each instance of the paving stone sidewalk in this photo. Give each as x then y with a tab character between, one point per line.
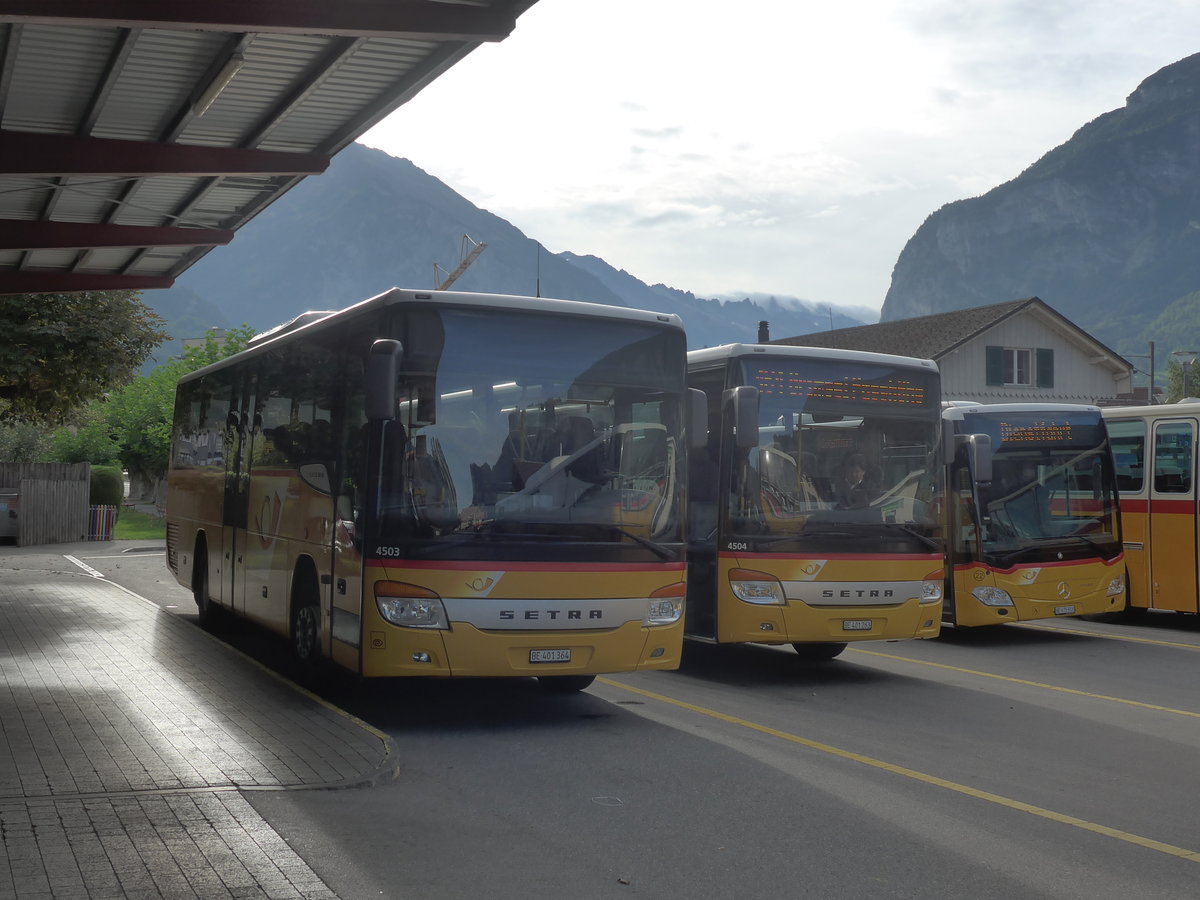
126	737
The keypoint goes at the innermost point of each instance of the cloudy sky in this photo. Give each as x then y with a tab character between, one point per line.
769	146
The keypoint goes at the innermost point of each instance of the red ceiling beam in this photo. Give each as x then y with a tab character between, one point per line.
21	235
34	282
419	19
29	153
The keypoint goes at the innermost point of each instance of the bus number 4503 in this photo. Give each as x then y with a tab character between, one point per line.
387	552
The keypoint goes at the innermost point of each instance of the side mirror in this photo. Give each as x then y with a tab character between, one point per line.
697	419
744	400
979	455
383	368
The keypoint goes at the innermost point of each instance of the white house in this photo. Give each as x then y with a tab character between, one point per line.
1007	352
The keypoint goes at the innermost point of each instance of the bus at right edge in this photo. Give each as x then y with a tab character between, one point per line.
1042	538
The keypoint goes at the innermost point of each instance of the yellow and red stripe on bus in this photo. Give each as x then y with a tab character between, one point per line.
602	623
834	597
1041	590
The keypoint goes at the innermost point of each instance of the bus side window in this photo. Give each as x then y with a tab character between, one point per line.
1128	437
1173	443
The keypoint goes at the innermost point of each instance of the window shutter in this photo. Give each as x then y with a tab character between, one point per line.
995	366
1045	367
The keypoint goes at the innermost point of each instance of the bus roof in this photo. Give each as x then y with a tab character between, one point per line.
311	323
1187	407
956	409
733	351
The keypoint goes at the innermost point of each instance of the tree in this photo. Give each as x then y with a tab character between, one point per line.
139	415
88	438
62	350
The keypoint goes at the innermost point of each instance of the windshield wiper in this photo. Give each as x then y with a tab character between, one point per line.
931	543
855	529
662	551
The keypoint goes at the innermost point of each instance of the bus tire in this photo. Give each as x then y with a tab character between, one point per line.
818	652
306	620
206	610
565	684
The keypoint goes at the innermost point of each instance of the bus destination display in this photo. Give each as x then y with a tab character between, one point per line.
826	385
1042	432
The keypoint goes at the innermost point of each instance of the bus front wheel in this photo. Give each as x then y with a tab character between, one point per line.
818	652
206	610
306	624
565	684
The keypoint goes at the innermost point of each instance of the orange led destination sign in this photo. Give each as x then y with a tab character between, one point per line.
893	390
1047	432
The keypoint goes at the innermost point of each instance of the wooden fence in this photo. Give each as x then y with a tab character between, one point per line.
52	507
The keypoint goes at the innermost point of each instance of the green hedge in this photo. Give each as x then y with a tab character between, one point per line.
108	486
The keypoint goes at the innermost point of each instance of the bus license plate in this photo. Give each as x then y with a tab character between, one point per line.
856	624
549	656
1064	610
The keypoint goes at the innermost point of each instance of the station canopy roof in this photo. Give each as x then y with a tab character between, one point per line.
136	135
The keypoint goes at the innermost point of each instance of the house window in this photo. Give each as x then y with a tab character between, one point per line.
1016	367
1020	367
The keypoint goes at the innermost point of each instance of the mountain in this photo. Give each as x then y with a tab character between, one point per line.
1105	228
373	221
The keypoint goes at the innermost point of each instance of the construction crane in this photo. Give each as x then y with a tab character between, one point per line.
466	257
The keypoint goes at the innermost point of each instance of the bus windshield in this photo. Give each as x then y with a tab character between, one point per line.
846	452
1052	480
539	426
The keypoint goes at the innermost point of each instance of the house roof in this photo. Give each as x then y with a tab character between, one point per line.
933	337
136	135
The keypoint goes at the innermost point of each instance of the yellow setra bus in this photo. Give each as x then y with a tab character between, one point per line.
444	484
1041	537
1154	449
810	507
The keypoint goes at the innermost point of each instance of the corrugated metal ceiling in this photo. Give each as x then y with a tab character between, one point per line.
136	138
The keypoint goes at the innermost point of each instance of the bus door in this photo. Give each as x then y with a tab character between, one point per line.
239	430
1171	535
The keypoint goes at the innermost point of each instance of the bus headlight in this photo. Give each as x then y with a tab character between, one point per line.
756	587
931	592
992	596
666	605
1116	586
410	606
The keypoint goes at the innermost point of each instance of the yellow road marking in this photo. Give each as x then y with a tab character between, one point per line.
1107	637
1036	684
1020	806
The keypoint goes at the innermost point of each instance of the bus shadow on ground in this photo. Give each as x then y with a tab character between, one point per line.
1168	620
758	665
1014	635
467	705
453	704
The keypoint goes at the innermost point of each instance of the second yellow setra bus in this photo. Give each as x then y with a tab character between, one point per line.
811	520
1042	537
1154	448
444	484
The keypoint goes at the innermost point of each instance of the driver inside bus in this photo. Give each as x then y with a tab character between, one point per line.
856	488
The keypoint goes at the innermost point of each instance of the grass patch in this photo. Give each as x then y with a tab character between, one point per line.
133	525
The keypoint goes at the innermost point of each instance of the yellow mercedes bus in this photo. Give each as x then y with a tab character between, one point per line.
444	483
1042	537
811	505
1154	450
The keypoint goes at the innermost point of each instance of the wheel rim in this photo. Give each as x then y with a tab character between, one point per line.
306	632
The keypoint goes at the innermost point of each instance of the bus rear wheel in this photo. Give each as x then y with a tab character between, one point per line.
818	652
565	684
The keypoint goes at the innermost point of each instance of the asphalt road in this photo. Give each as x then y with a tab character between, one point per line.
1053	760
